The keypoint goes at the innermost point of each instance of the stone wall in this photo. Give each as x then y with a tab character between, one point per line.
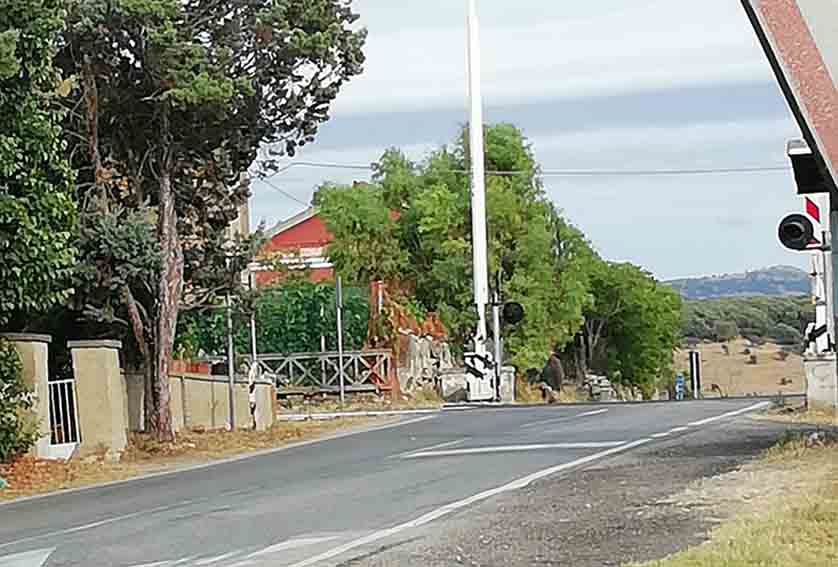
453	384
201	401
421	360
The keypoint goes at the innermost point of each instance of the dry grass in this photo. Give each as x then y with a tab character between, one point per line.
527	393
801	415
735	376
786	507
28	476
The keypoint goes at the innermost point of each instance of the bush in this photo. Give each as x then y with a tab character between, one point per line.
725	331
16	434
786	335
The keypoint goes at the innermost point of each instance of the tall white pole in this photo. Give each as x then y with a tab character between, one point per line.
478	181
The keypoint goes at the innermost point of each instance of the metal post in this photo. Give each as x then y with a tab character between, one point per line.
831	269
323	380
254	372
478	182
231	369
496	334
253	349
339	305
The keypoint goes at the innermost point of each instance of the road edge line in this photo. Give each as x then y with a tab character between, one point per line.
236	458
454	506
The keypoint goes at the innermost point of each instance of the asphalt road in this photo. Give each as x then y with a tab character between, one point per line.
322	503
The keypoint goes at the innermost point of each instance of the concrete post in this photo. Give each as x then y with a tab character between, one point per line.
34	355
100	388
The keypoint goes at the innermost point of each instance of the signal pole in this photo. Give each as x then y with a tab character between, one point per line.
478	190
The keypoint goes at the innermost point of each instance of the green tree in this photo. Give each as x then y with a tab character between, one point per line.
365	247
172	101
17	434
37	213
632	327
417	216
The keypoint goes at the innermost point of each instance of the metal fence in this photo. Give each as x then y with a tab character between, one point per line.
63	417
363	370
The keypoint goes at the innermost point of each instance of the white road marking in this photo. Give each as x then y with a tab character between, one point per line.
99	523
560	419
514	485
454	506
678	429
406	454
183	561
730	414
291	544
34	558
216	559
155	564
659	435
513	449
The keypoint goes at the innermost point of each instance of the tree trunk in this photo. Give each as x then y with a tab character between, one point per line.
169	294
141	329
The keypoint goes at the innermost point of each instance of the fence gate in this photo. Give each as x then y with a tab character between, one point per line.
63	418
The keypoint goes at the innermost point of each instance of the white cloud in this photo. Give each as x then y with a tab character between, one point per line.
558	52
694	143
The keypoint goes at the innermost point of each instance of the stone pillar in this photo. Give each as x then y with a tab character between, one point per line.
34	351
507	384
820	381
100	390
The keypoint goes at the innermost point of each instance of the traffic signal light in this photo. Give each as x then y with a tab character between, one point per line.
797	232
802	231
513	313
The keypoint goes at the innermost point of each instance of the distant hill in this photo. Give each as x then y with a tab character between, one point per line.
774	281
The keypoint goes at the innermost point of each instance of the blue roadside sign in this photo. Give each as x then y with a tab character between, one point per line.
679	386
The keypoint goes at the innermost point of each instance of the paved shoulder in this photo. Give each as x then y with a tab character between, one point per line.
608	513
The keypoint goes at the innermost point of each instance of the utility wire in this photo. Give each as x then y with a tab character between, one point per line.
559	172
276	187
542	173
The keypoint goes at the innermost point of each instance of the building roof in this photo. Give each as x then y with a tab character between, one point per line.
291	222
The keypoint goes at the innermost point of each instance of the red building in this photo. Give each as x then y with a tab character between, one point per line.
299	243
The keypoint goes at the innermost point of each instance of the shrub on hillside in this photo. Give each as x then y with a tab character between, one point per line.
756	318
17	434
786	335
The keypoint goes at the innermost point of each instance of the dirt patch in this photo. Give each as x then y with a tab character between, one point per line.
729	366
28	476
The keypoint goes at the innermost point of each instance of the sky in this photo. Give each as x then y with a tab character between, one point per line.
600	85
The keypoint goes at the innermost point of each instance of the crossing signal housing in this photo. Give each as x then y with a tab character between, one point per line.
797	232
